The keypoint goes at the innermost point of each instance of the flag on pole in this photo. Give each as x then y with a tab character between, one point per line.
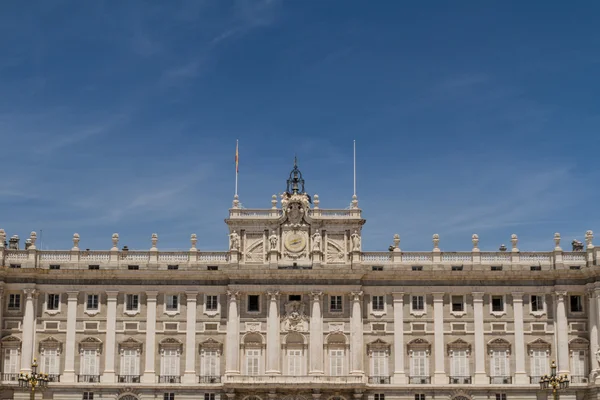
237	159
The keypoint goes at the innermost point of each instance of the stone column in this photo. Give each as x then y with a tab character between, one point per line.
1	295
70	345
189	376
399	373
593	321
111	326
562	334
439	376
480	375
273	335
149	375
356	334
316	335
28	330
520	373
232	360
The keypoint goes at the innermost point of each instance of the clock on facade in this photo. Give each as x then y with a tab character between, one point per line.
295	242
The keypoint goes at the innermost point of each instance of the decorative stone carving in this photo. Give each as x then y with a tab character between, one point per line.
316	242
274	201
154	240
234	241
436	242
193	240
598	357
2	238
589	236
316	201
557	242
255	252
32	239
295	212
295	318
355	237
335	252
273	239
396	242
75	241
475	241
514	240
115	241
295	244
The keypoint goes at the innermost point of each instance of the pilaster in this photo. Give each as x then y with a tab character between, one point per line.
70	345
273	335
28	331
149	375
520	373
480	375
356	334
439	377
316	334
399	377
189	376
111	326
593	324
562	334
232	345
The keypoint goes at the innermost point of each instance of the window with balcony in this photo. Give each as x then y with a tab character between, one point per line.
11	363
210	363
294	352
579	358
539	363
169	365
89	368
459	351
88	396
335	304
419	366
500	396
51	363
336	362
209	396
500	362
130	365
295	361
169	396
253	361
379	366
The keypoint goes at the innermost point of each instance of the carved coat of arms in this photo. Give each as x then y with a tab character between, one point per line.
295	319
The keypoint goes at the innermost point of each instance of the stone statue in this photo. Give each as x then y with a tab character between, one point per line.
598	356
273	241
355	241
316	241
234	241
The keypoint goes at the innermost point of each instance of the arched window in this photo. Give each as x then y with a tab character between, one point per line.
253	346
11	352
295	354
336	349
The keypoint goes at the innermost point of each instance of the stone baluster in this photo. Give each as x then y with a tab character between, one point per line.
520	373
149	375
562	333
316	334
232	363
438	327
399	373
111	327
273	335
70	345
189	376
480	375
356	334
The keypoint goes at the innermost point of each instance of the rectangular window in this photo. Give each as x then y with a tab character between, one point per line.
377	267
53	302
172	302
252	362
575	267
459	364
93	267
14	301
499	363
212	303
457	268
15	265
133	267
89	362
169	365
576	303
295	297
294	362
497	304
54	266
537	303
253	303
379	396
500	396
417	268
378	303
50	362
172	267
212	268
169	396
210	363
92	302
419	396
535	268
418	303
379	363
539	363
418	364
88	396
496	268
130	362
335	303
457	304
132	302
578	367
209	396
336	362
11	361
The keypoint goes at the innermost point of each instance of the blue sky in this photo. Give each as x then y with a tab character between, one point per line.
470	117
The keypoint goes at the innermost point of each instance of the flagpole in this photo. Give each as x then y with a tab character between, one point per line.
354	162
236	167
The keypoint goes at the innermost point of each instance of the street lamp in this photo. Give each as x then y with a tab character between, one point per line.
554	382
33	381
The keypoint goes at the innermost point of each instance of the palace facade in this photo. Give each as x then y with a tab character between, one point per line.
296	310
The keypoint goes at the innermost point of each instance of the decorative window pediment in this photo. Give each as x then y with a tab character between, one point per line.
337	340
11	342
130	344
50	343
90	343
253	341
418	344
378	345
539	344
459	345
211	344
170	343
295	339
579	344
499	344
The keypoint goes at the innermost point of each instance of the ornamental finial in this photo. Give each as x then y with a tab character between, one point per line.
514	240
557	242
396	242
274	201
194	240
115	242
154	241
589	236
436	242
75	242
475	241
316	201
32	239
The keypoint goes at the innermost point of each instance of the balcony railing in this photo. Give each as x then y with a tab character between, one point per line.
419	380
53	378
501	380
379	380
128	379
579	379
460	380
293	379
209	379
10	377
169	379
88	378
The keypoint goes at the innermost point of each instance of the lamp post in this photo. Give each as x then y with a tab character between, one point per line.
554	382
33	381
